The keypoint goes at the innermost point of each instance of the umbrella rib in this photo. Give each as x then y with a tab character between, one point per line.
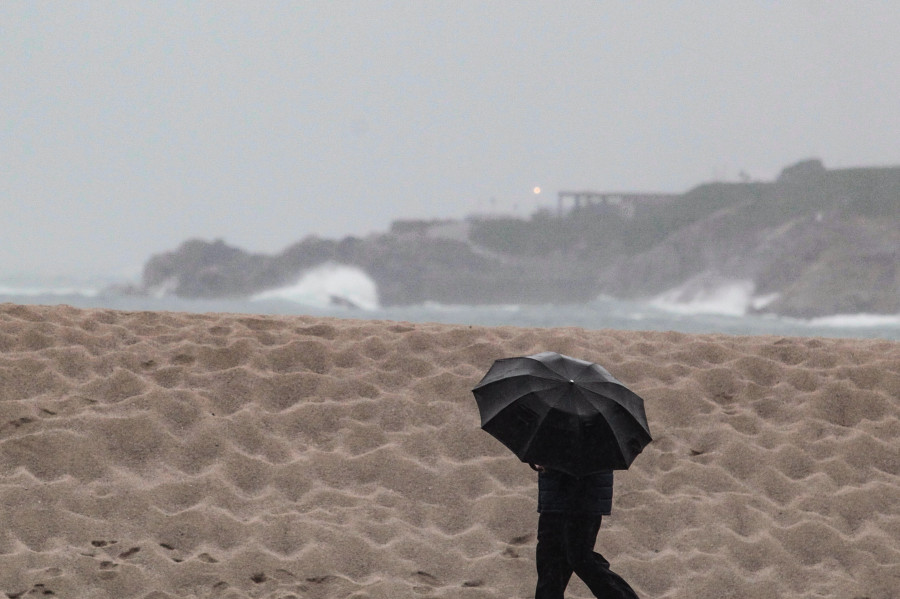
492	399
527	375
620	409
527	446
623	397
539	384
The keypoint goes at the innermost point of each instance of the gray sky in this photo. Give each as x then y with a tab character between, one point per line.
127	128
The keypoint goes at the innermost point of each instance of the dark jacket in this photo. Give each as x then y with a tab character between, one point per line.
561	492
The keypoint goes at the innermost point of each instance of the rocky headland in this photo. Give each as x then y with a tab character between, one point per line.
814	242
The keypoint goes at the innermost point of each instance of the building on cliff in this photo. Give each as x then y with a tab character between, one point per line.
625	204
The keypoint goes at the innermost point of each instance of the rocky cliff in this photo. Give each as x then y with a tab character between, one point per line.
812	243
408	269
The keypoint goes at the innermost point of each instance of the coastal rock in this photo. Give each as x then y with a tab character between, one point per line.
806	267
814	242
406	269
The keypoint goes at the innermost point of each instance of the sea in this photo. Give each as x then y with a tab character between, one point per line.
346	292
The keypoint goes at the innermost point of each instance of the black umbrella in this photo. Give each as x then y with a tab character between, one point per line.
562	413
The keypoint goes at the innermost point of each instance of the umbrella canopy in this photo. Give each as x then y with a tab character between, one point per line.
563	413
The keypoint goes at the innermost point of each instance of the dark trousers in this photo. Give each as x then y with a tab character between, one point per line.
565	544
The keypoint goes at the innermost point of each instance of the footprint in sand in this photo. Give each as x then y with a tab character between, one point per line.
19	422
40	589
427	578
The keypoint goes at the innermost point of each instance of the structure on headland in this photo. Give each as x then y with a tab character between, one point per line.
624	203
869	190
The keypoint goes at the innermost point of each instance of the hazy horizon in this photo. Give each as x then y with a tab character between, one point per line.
130	128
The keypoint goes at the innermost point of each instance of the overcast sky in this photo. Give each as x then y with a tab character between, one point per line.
128	127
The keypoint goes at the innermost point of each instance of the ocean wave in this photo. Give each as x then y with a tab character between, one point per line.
30	291
724	297
312	295
328	286
857	320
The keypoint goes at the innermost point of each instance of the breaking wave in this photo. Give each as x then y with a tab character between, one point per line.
329	286
332	290
857	320
712	296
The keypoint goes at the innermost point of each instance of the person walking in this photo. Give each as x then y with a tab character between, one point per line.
571	510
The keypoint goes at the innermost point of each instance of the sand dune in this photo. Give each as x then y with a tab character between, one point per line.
161	455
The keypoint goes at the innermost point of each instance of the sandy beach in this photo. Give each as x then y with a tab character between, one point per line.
169	455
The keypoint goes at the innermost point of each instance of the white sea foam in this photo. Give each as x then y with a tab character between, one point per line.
310	295
729	298
857	320
34	291
329	286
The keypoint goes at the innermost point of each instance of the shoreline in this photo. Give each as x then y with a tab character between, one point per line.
602	314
